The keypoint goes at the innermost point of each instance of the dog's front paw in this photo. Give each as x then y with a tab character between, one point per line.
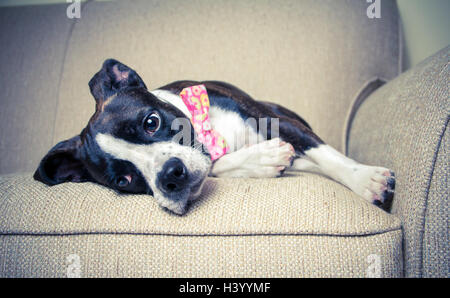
376	185
270	158
267	159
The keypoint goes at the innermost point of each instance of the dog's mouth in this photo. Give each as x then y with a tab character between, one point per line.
176	192
180	181
196	189
177	200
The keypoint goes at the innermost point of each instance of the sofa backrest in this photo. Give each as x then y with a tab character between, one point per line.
311	56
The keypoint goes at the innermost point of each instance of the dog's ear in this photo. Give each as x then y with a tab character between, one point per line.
61	164
111	78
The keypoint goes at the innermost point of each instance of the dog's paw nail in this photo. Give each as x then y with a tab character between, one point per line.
391	183
377	203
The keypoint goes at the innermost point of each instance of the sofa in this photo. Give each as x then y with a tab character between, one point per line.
326	60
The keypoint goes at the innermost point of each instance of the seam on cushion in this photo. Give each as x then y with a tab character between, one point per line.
403	251
399	228
368	88
427	191
66	47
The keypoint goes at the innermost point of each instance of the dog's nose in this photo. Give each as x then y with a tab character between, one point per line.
174	175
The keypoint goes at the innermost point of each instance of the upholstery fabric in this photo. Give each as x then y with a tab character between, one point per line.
125	255
294	226
402	126
435	243
292	205
32	46
311	56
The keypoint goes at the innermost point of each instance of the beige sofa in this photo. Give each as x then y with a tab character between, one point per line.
323	59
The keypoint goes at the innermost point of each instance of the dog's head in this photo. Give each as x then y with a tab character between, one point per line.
131	144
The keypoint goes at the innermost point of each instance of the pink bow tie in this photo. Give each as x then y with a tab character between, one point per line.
197	101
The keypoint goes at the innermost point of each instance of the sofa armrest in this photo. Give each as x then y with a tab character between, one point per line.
403	126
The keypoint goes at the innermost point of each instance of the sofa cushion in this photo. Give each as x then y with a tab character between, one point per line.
296	226
141	255
304	204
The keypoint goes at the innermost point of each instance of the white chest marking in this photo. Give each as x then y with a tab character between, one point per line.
233	128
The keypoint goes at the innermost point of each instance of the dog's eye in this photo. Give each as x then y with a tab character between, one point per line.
152	123
123	181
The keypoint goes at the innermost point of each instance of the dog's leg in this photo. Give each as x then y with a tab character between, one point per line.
375	184
266	159
304	164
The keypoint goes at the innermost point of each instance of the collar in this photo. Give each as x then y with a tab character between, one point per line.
196	101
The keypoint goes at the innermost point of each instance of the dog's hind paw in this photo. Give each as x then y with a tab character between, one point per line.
385	199
376	185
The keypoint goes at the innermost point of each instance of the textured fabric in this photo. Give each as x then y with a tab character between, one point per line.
311	56
370	87
200	256
32	44
435	240
401	126
305	204
303	225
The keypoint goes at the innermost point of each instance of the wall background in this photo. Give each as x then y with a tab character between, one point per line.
426	25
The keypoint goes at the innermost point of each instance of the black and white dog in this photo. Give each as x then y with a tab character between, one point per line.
129	143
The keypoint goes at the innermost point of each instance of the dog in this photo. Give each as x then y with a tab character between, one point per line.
130	143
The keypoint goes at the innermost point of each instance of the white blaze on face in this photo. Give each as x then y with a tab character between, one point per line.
150	159
173	99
